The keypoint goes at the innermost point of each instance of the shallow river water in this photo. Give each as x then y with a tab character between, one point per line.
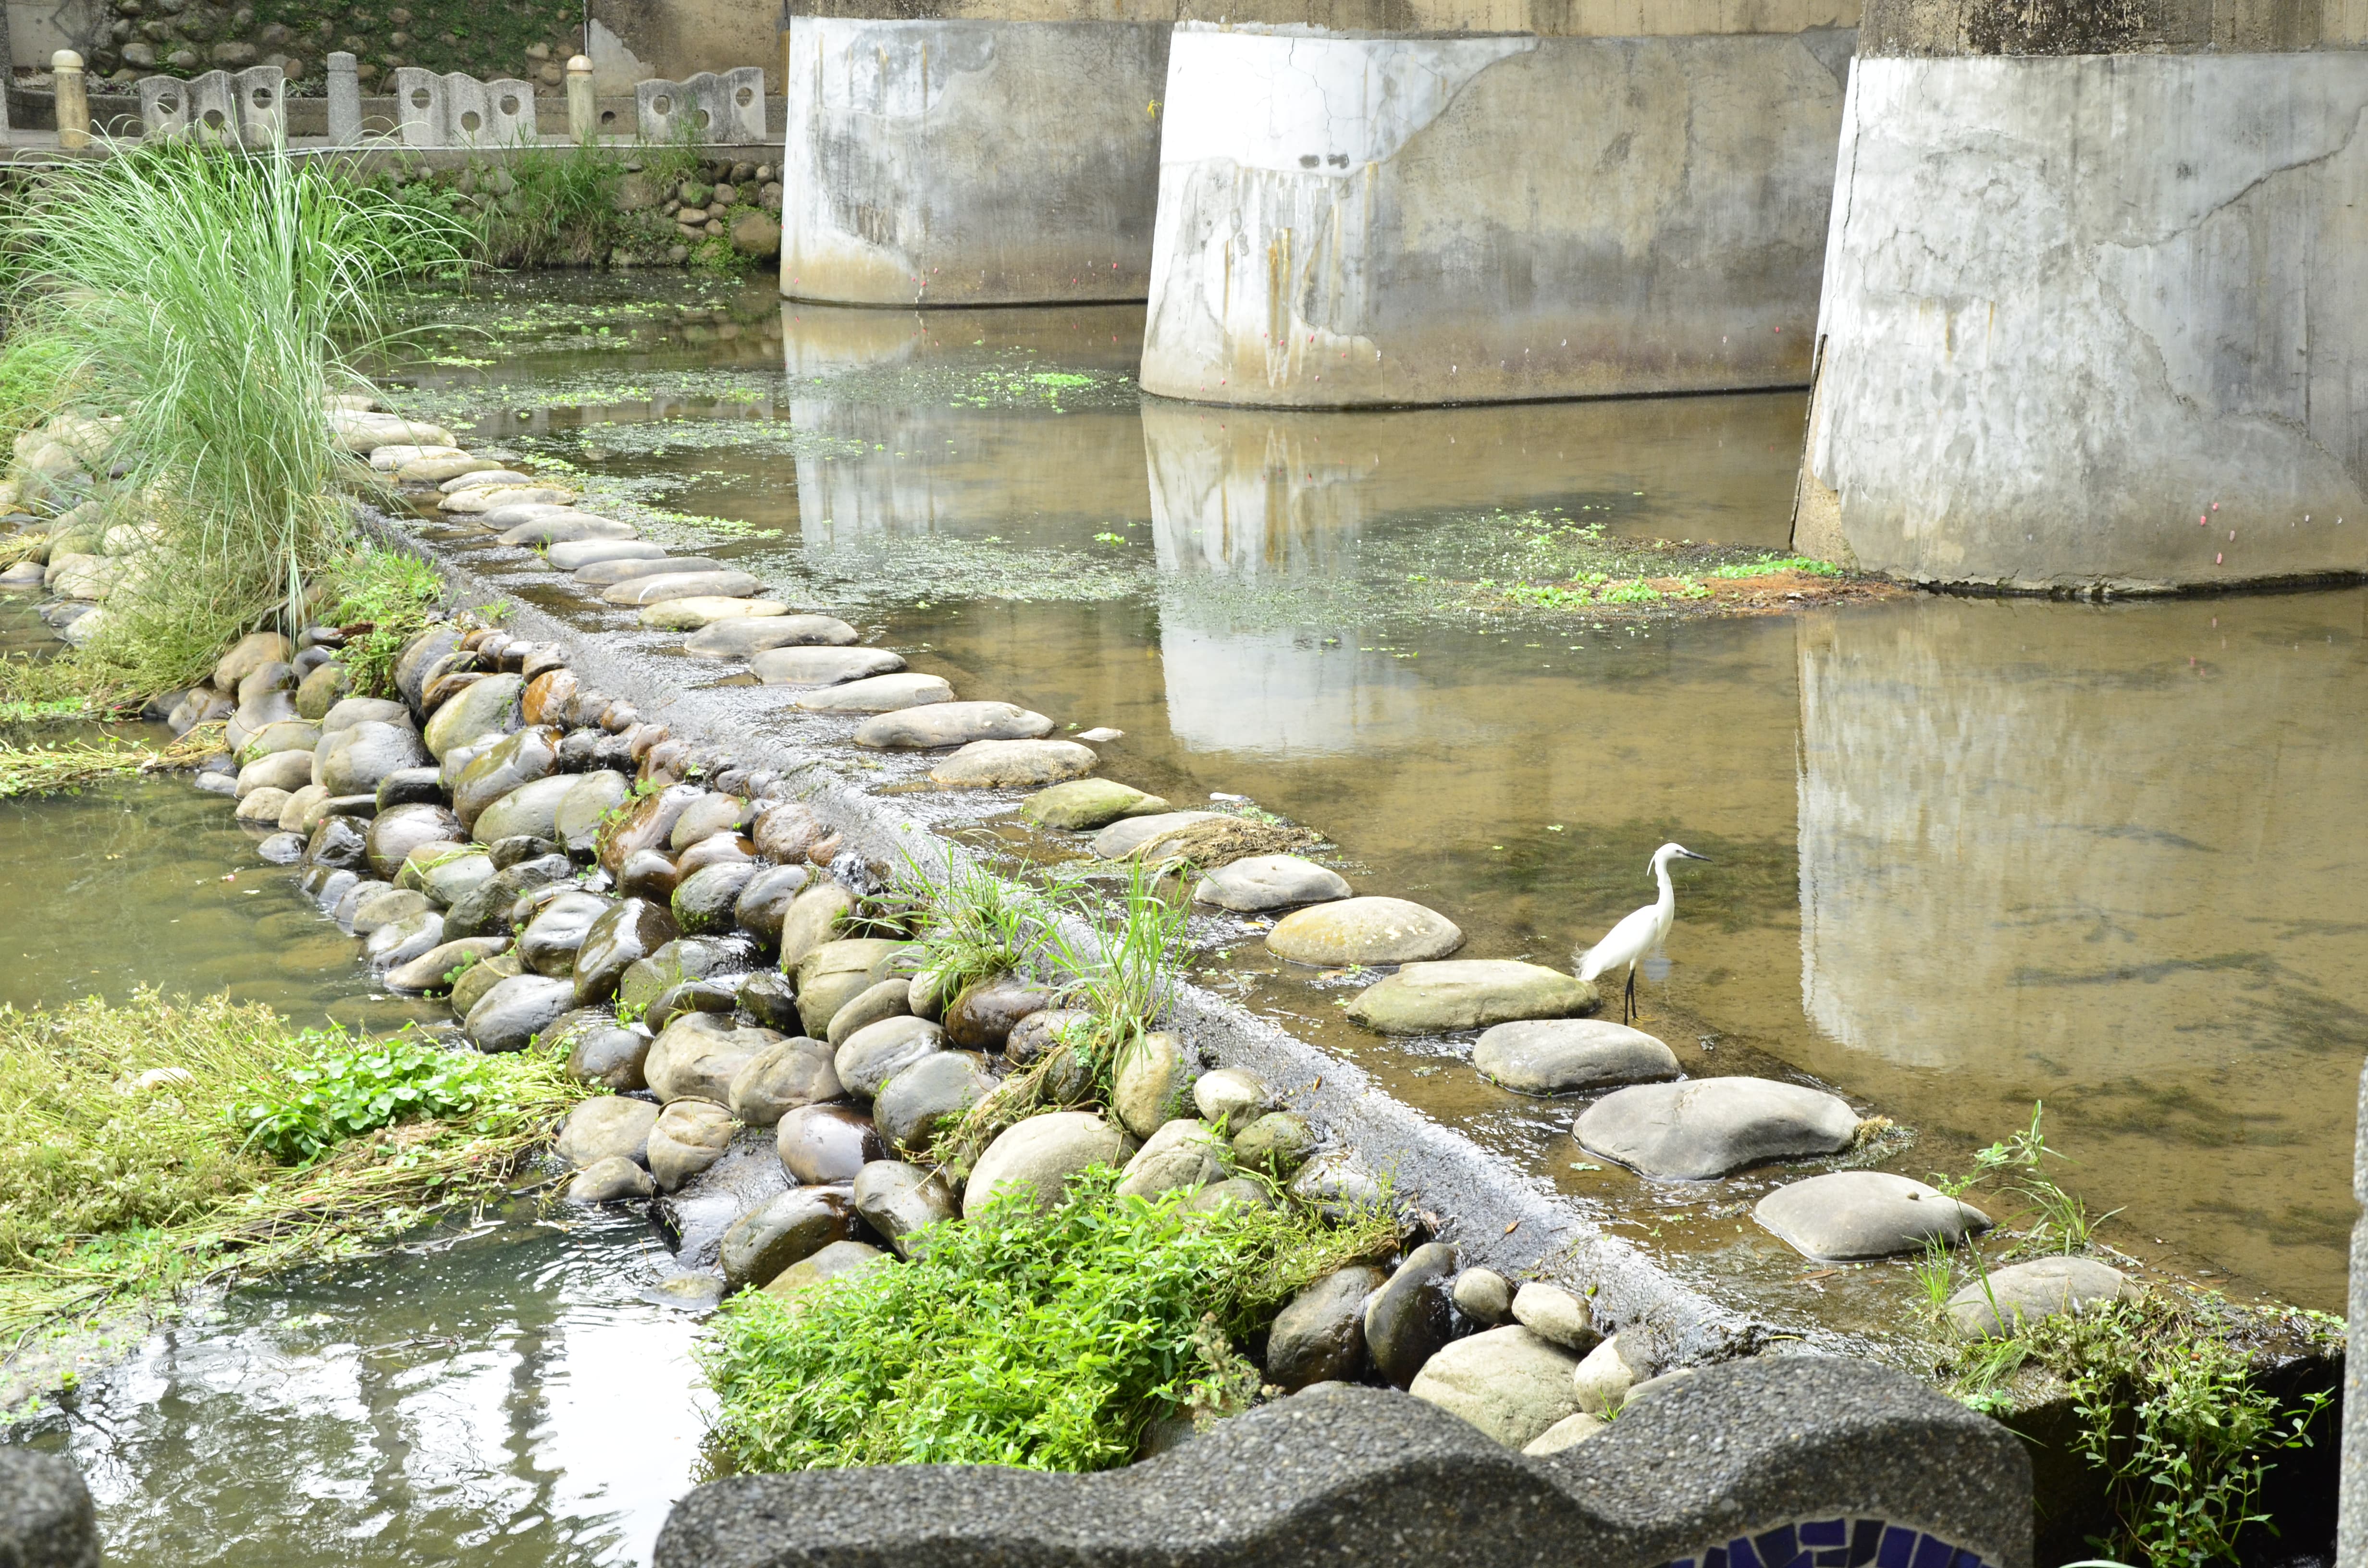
1967	855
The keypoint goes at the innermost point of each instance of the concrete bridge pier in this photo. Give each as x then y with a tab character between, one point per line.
2096	308
1358	219
952	162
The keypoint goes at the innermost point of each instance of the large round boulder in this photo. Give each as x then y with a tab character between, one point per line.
697	1056
511	1014
552	940
826	1142
704	901
487	709
1846	1215
1362	931
1038	1156
393	834
792	1227
1696	1130
900	1201
1462	994
1563	1056
1319	1337
687	1137
1414	1314
1508	1382
605	1127
620	936
913	1105
520	757
879	1051
944	724
782	1077
355	760
530	811
589	799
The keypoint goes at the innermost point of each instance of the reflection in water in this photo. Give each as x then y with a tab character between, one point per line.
2106	858
497	1395
951	430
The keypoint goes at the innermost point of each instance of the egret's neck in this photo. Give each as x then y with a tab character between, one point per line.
1668	903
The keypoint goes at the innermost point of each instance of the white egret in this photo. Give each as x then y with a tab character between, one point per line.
1628	942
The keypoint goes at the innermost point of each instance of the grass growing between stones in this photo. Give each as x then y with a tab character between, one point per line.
2170	1414
383	598
1050	1341
163	1144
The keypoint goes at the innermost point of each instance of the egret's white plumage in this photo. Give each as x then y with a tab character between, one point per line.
1625	945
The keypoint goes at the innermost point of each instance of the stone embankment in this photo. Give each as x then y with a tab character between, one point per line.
701	934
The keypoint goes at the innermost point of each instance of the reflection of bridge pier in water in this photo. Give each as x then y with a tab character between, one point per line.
925	435
2106	859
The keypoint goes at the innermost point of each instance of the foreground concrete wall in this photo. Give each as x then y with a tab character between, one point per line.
1349	221
2087	318
1568	19
970	163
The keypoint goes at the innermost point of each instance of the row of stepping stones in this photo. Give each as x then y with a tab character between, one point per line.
1691	1130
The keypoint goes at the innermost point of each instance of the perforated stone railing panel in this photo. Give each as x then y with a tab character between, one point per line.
248	107
728	109
458	110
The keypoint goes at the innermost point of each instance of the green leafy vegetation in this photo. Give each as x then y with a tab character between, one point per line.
1048	1341
2171	1419
131	1161
346	1092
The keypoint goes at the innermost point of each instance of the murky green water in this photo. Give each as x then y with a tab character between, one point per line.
1967	854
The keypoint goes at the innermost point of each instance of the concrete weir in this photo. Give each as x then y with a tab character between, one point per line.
950	162
2095	316
1366	219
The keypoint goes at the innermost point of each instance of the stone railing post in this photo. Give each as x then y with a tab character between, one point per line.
2352	1522
583	116
74	99
345	101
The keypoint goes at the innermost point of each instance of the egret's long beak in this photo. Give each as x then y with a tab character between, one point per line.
1690	855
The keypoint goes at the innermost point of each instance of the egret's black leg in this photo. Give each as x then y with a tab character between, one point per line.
1630	1016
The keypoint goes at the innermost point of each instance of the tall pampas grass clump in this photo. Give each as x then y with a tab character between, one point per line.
211	298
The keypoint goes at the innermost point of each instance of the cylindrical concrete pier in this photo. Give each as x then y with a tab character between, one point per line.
970	163
2096	311
1350	220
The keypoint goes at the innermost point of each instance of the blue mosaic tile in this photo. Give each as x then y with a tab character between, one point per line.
1834	1543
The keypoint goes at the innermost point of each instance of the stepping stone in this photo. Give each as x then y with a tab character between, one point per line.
663	586
1362	930
878	694
653	562
1090	803
387	459
564	524
1123	837
576	555
1853	1214
485	475
822	666
2027	1292
1467	994
1564	1056
1012	764
1696	1130
741	639
923	725
440	469
511	517
689	615
497	496
1270	881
